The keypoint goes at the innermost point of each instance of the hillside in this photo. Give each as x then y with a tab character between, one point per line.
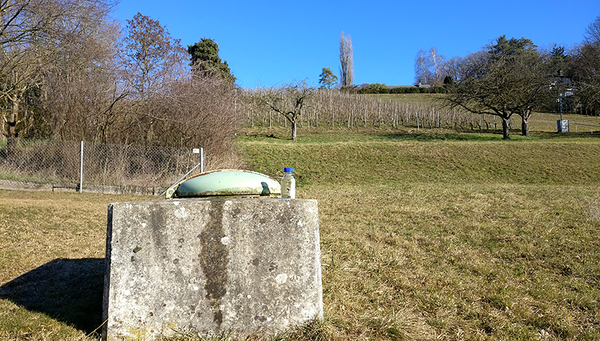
425	235
451	236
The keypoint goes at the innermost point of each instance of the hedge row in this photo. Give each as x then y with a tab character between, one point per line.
383	89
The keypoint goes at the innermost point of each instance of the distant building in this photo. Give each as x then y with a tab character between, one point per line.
560	77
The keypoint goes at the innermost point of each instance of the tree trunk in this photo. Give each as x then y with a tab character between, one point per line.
293	123
11	147
525	126
505	135
12	120
11	143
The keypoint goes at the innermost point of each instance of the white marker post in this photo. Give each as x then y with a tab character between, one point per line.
81	170
201	152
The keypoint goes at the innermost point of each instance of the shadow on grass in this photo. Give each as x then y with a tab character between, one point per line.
428	136
486	136
68	290
407	134
569	135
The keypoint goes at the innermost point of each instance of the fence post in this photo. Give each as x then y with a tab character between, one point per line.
201	152
201	160
81	170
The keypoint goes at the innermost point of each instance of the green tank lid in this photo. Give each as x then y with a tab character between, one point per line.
226	182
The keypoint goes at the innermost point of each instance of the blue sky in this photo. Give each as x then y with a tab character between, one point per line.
269	43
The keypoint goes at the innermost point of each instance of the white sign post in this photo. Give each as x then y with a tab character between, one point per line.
201	152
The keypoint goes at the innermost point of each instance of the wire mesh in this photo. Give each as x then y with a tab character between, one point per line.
48	161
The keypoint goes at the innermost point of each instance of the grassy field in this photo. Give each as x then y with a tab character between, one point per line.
51	267
425	235
455	238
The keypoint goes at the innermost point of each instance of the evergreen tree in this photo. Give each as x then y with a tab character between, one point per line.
205	60
327	79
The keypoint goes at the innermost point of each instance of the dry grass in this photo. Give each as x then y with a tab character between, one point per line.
451	236
447	237
474	262
51	264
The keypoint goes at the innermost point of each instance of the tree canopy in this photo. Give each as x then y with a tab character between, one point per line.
205	60
151	55
36	38
69	71
587	75
592	33
503	47
289	101
429	67
327	79
508	77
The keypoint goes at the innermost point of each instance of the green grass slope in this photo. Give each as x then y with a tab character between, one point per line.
386	158
451	237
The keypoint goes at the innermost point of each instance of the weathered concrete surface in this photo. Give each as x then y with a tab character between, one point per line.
240	265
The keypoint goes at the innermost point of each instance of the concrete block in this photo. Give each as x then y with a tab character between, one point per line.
211	265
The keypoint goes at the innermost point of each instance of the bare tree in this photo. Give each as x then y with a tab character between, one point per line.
532	88
509	78
21	33
346	61
289	101
586	76
423	73
592	33
33	34
197	112
586	63
151	56
22	74
430	67
81	91
79	75
153	59
23	20
438	62
452	69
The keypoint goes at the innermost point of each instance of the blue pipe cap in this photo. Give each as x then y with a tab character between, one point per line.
227	182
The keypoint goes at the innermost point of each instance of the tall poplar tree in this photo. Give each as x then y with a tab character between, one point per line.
346	61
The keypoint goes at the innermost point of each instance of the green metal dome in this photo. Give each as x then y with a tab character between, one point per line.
226	182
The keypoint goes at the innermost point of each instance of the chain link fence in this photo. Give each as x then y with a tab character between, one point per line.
62	164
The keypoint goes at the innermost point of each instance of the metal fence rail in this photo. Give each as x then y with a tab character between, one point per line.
592	126
69	162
